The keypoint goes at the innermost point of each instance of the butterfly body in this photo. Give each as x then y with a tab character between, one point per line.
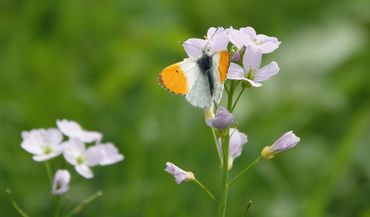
200	79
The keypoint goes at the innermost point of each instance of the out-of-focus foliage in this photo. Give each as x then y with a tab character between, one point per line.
97	62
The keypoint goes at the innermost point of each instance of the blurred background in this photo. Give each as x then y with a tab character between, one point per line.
96	62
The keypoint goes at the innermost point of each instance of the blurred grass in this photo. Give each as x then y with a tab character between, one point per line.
97	62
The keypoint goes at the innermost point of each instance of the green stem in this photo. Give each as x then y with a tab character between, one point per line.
15	204
237	99
230	95
225	172
84	202
205	189
245	170
216	144
57	206
48	171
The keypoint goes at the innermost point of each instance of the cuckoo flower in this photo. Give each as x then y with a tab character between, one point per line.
216	40
43	144
251	71
236	143
61	182
284	143
248	37
74	131
106	154
81	158
179	174
222	120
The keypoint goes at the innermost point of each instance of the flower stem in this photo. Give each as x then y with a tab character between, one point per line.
85	202
48	171
57	206
225	172
230	95
15	204
216	144
237	99
205	189
245	170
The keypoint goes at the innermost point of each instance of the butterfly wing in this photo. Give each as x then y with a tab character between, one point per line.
221	62
178	78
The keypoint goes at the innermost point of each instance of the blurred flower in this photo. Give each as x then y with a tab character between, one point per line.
61	182
179	174
76	154
43	144
248	37
236	143
105	154
215	41
252	73
74	131
222	120
284	143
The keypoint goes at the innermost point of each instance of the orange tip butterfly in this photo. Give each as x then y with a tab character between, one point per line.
200	79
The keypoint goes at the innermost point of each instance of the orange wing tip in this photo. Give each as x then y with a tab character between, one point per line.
223	64
174	79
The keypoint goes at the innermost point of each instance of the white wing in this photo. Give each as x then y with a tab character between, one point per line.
199	94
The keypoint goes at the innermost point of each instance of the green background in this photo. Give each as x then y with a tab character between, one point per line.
97	62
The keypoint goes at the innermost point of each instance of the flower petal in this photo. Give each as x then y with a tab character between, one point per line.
194	47
84	171
235	72
267	71
219	42
252	58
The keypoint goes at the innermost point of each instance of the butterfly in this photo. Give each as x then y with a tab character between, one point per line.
200	79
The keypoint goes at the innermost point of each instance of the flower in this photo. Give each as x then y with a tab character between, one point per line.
216	40
222	120
179	174
83	158
236	143
61	182
251	71
43	144
248	37
106	154
284	143
74	131
76	154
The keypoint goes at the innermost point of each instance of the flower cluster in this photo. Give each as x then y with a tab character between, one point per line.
245	48
46	144
246	52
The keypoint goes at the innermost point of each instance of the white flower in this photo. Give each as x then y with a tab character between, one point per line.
43	144
248	37
251	71
83	158
236	143
179	174
215	41
74	131
76	154
106	154
61	182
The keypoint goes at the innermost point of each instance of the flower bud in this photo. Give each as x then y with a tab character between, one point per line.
284	143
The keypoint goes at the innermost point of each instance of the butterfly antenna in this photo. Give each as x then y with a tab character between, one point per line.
190	45
209	39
